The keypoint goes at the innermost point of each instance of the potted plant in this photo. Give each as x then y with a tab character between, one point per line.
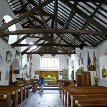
79	71
35	77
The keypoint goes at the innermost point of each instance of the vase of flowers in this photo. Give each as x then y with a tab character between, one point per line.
96	81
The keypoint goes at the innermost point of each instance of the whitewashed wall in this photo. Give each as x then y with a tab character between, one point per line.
75	58
36	63
102	55
4	66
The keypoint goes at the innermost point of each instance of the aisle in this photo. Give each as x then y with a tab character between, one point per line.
47	98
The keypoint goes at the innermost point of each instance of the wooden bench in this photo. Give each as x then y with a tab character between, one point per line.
86	87
70	92
64	83
76	98
19	90
5	100
92	103
29	84
85	93
14	96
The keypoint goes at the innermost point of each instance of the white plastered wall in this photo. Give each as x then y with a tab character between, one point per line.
5	10
101	51
36	63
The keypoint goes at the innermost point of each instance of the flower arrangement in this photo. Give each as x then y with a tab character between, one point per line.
96	78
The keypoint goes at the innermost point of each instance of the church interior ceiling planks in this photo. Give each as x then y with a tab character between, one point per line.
57	26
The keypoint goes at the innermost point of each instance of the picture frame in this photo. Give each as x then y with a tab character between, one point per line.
104	73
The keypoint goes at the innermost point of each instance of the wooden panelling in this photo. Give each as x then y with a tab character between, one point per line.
16	72
84	79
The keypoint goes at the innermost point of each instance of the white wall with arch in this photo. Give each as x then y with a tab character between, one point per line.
4	47
102	60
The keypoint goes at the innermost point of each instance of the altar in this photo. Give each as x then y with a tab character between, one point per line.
50	80
50	77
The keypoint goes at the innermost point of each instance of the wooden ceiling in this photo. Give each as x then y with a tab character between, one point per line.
59	26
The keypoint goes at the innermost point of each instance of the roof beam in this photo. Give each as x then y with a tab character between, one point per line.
50	44
51	31
26	14
19	40
31	45
48	53
97	1
86	17
56	13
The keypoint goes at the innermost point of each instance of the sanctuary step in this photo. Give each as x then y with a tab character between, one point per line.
49	87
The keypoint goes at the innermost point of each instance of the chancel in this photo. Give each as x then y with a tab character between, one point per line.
63	43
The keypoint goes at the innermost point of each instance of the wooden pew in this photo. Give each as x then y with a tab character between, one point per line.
34	86
81	87
92	103
5	100
64	83
14	96
75	91
77	98
85	93
19	89
29	84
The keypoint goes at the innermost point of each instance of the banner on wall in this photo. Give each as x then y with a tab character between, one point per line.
88	60
90	67
94	61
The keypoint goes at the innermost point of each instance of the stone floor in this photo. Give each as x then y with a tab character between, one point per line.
47	98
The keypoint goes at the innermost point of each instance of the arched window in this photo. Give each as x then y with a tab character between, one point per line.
12	38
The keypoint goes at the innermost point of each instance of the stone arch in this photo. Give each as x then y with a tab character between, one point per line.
25	67
25	71
14	71
16	64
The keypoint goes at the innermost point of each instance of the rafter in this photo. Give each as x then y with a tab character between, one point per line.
26	14
86	17
31	45
19	40
51	31
49	44
48	53
56	13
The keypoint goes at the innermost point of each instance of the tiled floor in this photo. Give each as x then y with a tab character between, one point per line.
47	98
